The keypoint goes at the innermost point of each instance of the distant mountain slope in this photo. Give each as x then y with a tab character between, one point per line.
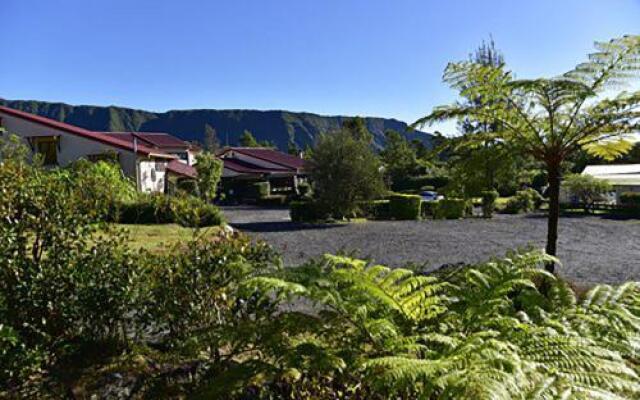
275	126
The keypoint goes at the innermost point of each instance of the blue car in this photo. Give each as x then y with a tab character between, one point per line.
429	195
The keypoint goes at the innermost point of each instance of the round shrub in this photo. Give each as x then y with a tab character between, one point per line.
525	200
404	207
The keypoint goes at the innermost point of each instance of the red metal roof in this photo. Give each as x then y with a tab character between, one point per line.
270	155
74	130
180	168
248	168
154	139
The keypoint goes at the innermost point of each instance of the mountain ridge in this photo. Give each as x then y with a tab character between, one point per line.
277	126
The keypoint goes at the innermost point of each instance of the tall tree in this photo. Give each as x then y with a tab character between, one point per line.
248	140
209	168
398	156
345	171
211	142
478	164
551	119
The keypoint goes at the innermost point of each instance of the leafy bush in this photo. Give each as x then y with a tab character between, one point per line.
489	202
451	208
187	211
587	189
487	332
524	201
377	209
402	207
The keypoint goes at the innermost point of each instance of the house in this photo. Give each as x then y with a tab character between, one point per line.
245	165
148	159
623	177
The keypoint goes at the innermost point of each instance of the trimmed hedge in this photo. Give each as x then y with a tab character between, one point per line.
404	207
160	209
305	211
376	209
451	208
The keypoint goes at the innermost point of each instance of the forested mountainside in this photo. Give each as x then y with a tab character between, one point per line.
278	127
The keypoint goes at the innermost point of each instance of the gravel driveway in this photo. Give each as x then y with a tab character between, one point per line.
592	249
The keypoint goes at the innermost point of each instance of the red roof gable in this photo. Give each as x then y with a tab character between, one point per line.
248	168
74	130
154	139
270	155
180	168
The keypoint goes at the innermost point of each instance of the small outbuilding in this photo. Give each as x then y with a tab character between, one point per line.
623	177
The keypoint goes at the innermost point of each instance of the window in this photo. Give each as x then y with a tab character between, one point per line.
184	156
47	147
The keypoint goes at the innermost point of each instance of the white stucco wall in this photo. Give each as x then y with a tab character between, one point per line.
152	175
73	147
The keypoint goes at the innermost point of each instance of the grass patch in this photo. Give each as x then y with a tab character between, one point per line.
161	237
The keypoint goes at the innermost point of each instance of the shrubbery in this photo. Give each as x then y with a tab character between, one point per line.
524	201
451	208
187	211
402	207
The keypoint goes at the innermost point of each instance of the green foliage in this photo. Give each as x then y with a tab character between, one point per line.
378	209
248	140
420	182
551	119
405	207
398	157
187	211
487	332
525	200
587	189
489	198
345	171
209	169
211	141
450	208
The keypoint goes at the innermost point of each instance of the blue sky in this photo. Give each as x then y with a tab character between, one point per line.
352	57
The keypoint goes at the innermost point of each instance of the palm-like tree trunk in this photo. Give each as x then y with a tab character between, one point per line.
553	173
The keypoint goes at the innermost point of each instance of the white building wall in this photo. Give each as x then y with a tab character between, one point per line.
73	147
152	175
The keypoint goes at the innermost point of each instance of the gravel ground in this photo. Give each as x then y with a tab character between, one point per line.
592	249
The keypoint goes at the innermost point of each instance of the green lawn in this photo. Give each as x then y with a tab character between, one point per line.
162	237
